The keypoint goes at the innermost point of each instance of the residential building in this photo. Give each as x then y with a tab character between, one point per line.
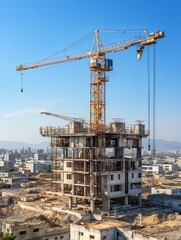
172	202
157	169
32	229
166	190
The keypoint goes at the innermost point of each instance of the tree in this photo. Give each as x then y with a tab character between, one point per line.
8	236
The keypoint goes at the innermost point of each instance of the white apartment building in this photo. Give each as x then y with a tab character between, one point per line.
152	169
169	167
166	190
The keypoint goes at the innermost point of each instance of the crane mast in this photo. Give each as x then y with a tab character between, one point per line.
99	66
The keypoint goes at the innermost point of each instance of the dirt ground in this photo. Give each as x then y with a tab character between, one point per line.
159	225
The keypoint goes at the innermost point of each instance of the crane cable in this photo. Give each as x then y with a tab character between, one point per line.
148	54
154	99
69	46
22	81
56	53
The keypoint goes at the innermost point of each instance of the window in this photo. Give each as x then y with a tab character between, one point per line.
61	237
104	237
56	238
115	188
132	165
92	237
132	175
36	230
112	177
139	175
119	176
109	152
81	233
22	233
135	185
68	164
69	176
119	234
69	152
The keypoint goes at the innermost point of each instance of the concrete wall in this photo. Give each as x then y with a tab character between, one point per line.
166	201
47	211
25	232
117	178
133	176
78	232
132	235
35	231
60	234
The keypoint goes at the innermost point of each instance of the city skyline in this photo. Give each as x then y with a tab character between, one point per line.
32	31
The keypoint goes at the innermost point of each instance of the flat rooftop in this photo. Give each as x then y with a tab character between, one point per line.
100	225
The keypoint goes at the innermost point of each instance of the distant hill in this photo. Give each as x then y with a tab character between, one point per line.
161	145
10	145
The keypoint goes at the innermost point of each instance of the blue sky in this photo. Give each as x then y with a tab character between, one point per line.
33	30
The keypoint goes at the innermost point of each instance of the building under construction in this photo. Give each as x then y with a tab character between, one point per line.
93	168
95	164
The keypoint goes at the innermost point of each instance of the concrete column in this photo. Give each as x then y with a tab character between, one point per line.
126	200
70	202
92	205
139	200
62	188
84	191
106	205
84	185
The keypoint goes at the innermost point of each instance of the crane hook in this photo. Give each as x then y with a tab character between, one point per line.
21	82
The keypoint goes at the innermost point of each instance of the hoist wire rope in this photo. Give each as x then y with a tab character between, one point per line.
154	100
61	51
148	72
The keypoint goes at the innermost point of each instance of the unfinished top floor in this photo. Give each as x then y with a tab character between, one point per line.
76	127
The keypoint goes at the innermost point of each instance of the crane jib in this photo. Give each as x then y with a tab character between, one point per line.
148	40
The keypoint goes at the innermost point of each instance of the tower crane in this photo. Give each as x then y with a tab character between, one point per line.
99	65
